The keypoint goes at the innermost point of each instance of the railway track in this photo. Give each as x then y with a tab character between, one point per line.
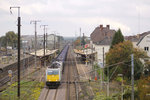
24	62
53	94
68	76
72	81
48	94
69	86
76	79
6	78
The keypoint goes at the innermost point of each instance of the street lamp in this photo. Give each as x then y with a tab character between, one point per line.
19	25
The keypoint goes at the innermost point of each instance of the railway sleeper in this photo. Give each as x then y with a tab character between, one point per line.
71	82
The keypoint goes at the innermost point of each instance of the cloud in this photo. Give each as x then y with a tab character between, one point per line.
66	16
4	5
106	21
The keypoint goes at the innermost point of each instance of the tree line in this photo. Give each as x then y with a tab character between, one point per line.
10	39
120	51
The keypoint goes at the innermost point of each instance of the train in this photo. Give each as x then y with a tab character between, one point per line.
55	70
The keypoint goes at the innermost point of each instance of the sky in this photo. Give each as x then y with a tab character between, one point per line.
66	17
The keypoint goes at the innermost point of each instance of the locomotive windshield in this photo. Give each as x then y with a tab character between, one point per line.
54	65
53	72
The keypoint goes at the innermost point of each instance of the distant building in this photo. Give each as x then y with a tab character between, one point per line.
134	39
51	40
144	42
29	41
141	41
101	38
102	35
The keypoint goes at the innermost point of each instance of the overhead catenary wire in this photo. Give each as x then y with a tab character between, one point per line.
107	66
123	62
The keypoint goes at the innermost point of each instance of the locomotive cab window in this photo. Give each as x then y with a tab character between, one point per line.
54	72
50	73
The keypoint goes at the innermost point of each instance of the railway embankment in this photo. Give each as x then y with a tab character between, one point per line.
25	62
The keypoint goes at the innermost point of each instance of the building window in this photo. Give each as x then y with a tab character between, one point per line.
146	48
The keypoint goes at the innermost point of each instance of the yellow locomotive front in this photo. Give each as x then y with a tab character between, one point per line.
53	77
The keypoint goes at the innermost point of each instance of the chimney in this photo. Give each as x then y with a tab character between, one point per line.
138	36
101	27
108	26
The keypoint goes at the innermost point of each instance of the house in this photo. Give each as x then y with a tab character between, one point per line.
101	39
141	41
134	39
144	42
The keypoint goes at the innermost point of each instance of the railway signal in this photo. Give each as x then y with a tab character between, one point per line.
95	78
10	73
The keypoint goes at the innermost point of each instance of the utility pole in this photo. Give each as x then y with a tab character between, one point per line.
103	63
80	36
92	55
35	47
19	29
132	76
58	40
121	75
54	41
107	81
102	71
44	42
44	45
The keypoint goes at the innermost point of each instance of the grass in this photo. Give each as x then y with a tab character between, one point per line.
29	90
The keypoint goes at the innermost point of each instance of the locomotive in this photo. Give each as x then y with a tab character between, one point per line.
55	70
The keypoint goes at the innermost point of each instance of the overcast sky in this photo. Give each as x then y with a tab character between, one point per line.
67	16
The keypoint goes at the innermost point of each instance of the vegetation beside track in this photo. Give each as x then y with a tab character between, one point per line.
30	90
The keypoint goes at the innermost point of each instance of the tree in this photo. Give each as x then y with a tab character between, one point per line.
117	38
144	88
147	68
77	41
122	53
83	40
10	39
3	41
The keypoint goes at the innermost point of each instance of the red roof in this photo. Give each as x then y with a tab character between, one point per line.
101	33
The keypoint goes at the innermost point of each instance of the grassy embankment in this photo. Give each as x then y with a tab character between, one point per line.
28	91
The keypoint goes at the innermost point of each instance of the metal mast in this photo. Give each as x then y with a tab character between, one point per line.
44	27
19	29
35	24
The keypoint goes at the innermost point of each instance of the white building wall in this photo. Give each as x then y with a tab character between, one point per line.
135	44
51	37
99	50
145	42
